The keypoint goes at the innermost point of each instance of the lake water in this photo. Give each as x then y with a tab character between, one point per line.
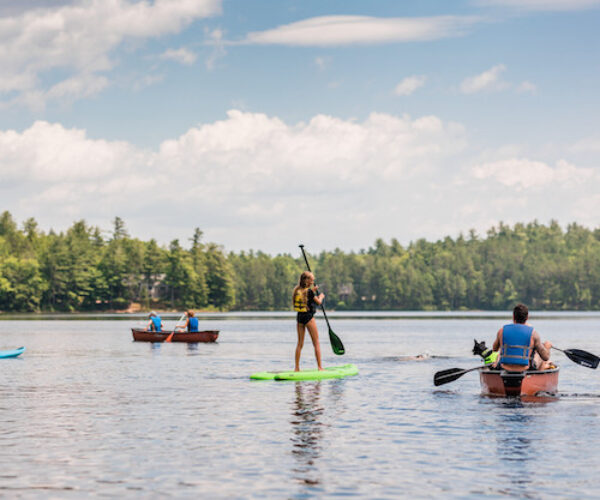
87	412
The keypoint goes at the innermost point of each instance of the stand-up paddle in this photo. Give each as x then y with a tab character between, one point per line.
451	374
580	357
336	343
170	337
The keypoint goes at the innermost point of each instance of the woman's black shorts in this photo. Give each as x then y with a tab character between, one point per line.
304	317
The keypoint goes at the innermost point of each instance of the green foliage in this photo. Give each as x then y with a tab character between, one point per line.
21	285
263	283
544	266
219	278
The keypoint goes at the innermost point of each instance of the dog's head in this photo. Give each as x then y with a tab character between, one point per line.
479	348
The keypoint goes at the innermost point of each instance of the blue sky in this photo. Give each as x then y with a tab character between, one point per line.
267	123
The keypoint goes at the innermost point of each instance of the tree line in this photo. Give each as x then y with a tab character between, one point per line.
545	266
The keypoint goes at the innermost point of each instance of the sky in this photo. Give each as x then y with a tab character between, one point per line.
269	123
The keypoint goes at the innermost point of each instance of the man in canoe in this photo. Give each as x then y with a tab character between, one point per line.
520	345
154	323
304	300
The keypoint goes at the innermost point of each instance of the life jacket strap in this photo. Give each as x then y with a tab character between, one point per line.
524	348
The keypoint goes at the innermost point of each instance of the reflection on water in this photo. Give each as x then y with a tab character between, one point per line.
515	449
191	347
307	432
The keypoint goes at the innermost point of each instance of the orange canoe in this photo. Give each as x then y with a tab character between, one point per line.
142	335
528	383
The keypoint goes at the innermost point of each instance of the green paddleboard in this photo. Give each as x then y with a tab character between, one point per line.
331	372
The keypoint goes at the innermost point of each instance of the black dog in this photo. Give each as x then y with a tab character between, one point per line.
480	349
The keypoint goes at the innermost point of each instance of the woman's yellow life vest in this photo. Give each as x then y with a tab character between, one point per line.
300	304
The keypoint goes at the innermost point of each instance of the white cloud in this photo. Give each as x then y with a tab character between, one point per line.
181	55
522	189
242	172
254	147
409	84
586	210
82	85
50	154
491	81
244	178
522	173
587	145
11	7
76	87
215	39
527	87
328	31
147	81
80	38
486	81
542	5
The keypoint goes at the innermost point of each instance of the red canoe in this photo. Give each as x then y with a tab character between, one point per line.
142	335
528	383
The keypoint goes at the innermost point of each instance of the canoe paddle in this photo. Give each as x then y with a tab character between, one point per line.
336	343
170	337
451	374
580	357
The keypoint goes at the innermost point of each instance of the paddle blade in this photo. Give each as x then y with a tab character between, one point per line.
336	343
170	337
446	376
583	358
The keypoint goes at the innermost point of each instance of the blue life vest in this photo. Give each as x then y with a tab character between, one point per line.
193	324
516	344
156	323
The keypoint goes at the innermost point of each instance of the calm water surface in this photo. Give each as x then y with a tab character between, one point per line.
87	412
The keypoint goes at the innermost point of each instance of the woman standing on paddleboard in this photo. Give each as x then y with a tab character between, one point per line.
304	300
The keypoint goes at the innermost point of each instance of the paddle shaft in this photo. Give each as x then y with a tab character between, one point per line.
170	337
472	369
179	320
308	267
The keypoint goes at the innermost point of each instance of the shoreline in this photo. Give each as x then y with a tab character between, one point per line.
342	315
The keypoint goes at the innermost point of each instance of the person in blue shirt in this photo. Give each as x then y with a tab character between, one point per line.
155	323
520	346
191	323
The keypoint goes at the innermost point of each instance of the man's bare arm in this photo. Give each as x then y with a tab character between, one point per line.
542	349
497	341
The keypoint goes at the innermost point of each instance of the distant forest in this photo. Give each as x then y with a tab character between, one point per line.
544	266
